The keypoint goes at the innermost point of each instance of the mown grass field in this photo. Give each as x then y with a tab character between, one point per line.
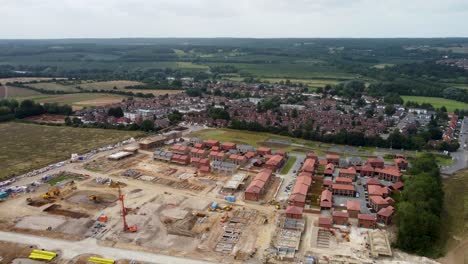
310	82
27	146
12	91
437	102
76	100
257	139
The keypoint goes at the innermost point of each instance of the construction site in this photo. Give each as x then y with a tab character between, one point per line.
127	200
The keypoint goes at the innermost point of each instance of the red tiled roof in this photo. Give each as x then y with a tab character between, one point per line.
398	185
378	200
377	190
369	217
353	205
309	165
343	179
305	174
275	160
340	214
332	156
387	211
304	180
350	170
373	181
347	187
325	221
300	188
297	197
295	210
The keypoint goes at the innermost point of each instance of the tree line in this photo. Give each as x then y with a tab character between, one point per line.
11	109
419	208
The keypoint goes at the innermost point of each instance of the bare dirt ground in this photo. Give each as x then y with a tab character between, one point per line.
10	251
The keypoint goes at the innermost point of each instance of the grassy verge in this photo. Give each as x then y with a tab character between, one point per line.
288	165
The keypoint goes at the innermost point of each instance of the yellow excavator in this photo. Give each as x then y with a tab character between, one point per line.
94	198
51	194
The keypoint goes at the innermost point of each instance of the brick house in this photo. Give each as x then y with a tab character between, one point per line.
258	185
353	208
385	215
180	149
275	162
378	202
180	159
298	195
376	163
325	222
373	181
343	180
329	170
294	212
162	155
326	199
217	156
343	189
402	164
198	153
340	218
211	143
333	159
367	170
228	146
237	159
389	173
367	221
377	190
263	151
309	166
312	155
348	173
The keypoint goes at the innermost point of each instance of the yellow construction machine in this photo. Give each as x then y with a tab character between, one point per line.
53	193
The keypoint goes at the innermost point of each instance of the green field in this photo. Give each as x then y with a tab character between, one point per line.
27	146
76	100
437	102
288	165
257	139
55	86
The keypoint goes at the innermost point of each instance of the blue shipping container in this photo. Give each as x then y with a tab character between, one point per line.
230	199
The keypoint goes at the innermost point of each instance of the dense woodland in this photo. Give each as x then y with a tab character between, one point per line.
419	208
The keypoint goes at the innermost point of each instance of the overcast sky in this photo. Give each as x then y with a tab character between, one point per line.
232	18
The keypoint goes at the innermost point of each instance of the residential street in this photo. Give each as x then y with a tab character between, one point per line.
460	158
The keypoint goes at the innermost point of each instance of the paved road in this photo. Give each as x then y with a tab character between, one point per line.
289	177
70	249
460	157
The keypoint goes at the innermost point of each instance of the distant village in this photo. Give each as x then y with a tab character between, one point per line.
279	106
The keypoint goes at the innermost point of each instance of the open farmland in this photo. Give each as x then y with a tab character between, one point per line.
11	91
55	86
109	85
26	147
437	102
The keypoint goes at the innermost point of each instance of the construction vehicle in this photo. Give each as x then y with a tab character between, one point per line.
224	218
94	198
51	194
276	204
227	208
126	228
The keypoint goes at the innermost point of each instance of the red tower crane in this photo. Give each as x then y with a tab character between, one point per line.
127	228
